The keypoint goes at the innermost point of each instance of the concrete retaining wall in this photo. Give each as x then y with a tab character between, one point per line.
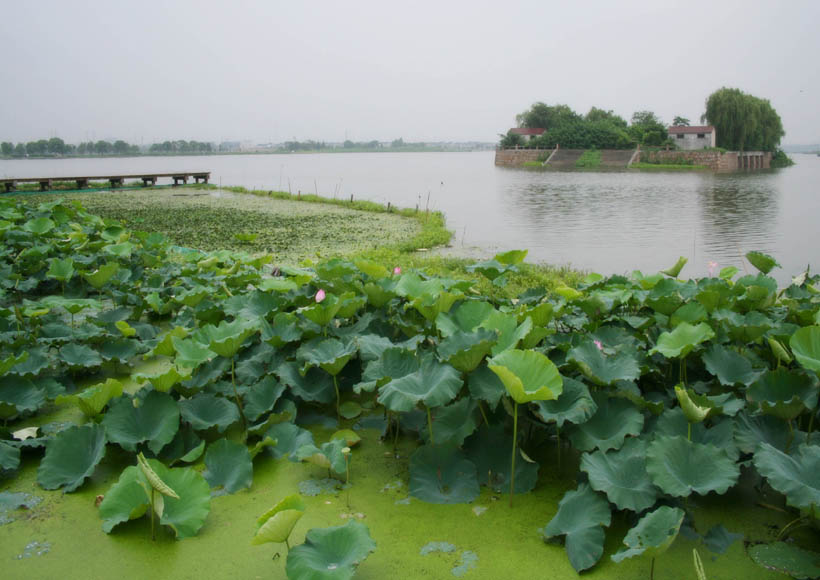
518	157
714	160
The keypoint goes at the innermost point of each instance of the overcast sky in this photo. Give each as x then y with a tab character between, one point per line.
274	70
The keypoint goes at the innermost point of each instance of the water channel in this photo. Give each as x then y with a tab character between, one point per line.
609	222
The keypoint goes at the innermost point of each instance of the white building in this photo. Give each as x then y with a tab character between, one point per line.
691	138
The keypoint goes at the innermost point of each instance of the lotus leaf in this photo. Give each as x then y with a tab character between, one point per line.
780	352
18	395
603	369
251	305
289	438
465	317
164	380
276	524
331	354
284	329
510	333
190	353
683	339
39	226
613	420
466	350
695	408
675	270
323	312
433	385
796	476
80	356
185	446
350	437
94	398
580	517
573	405
729	367
154	419
784	393
720	434
431	305
787	559
71	456
165	345
61	270
315	385
442	474
205	410
679	466
226	338
762	262
228	466
101	276
489	451
653	534
350	409
8	363
527	375
125	329
718	539
187	514
121	350
330	553
485	385
37	360
393	363
805	344
755	429
261	397
455	422
622	475
329	456
125	500
9	456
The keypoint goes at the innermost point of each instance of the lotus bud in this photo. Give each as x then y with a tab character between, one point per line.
396	271
599	344
320	295
712	267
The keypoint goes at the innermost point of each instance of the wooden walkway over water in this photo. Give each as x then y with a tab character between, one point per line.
10	183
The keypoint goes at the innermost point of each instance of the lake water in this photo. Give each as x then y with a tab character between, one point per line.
609	222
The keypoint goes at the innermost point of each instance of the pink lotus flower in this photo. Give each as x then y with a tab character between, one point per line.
320	295
396	271
712	266
599	344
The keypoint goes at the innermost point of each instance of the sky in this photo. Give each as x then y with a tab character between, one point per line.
445	70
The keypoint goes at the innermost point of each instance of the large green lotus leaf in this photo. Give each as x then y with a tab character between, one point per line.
679	466
796	476
614	419
805	344
761	261
276	524
190	353
315	385
38	360
622	475
512	257
289	438
205	410
729	367
19	395
284	329
122	250
485	385
164	379
93	399
261	397
787	559
653	534
330	353
164	345
100	277
603	369
750	431
683	339
442	474
187	514
329	456
7	363
226	338
323	312
39	226
228	466
330	553
9	456
154	419
80	356
465	317
251	305
783	393
489	450
431	305
454	423
720	434
394	363
433	385
61	270
691	312
466	350
510	333
125	500
277	285
120	349
573	405
527	375
185	446
581	515
71	456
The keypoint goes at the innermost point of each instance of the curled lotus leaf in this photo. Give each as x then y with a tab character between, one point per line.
652	535
289	438
125	500
329	456
695	407
164	379
805	344
187	514
330	553
679	466
455	422
675	270
261	397
763	262
276	524
314	385
101	276
466	350
71	456
796	476
581	516
93	399
527	375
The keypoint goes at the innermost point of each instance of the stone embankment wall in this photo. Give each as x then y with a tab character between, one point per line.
714	160
518	157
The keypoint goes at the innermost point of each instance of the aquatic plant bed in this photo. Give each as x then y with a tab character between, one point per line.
194	415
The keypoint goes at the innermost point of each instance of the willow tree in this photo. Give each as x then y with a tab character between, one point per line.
743	122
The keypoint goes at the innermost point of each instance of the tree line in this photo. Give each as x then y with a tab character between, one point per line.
57	147
742	122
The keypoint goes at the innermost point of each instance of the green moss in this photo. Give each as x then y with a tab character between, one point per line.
589	159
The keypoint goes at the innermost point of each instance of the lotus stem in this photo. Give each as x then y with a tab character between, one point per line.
652	569
558	442
801	521
287	544
153	535
811	426
430	426
238	401
338	412
483	414
689	431
395	435
515	442
791	436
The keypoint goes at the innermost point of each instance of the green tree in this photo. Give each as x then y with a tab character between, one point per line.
397	143
543	116
595	114
680	122
102	147
56	145
510	140
647	128
120	147
743	122
7	148
20	150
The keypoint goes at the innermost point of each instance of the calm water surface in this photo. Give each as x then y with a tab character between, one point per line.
610	222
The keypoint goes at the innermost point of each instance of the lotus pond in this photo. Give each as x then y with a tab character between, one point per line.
192	414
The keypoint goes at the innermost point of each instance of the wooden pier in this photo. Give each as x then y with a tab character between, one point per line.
10	184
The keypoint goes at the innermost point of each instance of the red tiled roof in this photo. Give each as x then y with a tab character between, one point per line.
526	131
701	129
